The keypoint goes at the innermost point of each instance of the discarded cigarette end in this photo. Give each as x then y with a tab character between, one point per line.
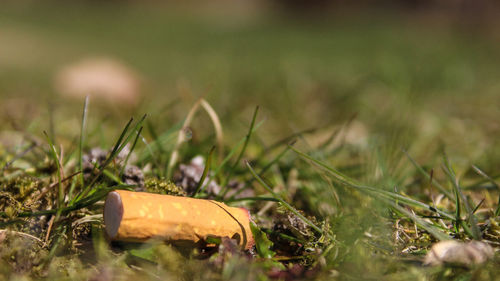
173	219
113	214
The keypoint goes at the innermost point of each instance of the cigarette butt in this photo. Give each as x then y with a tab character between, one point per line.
139	216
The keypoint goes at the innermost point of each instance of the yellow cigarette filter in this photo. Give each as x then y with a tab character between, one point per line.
139	216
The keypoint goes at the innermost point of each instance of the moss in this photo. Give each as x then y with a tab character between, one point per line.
162	186
21	194
21	187
20	255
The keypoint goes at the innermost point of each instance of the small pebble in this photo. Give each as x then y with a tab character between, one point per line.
459	253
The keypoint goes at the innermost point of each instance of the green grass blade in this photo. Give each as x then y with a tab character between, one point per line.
149	150
232	151
53	154
352	183
274	161
288	139
497	211
127	139
201	184
478	183
284	236
492	181
255	198
61	230
484	175
335	133
425	174
477	206
82	138
458	205
112	176
155	149
124	165
261	173
245	144
436	232
118	147
118	142
409	202
460	197
154	136
262	244
288	206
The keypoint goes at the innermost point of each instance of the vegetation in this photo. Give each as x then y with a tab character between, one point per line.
355	143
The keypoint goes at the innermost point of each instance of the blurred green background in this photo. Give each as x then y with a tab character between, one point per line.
421	75
423	72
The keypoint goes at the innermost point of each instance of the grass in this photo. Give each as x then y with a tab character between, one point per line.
356	143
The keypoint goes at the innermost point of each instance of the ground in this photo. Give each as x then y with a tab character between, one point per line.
366	125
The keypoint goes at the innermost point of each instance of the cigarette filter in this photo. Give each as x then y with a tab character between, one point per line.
138	216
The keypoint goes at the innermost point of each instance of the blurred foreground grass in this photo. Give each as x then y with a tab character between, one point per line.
389	82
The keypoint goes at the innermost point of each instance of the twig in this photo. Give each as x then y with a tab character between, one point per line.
49	229
52	185
21	234
19	156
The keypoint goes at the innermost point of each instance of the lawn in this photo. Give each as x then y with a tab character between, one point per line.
356	141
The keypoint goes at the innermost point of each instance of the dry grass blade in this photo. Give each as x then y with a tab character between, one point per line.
52	185
19	156
4	231
219	134
181	138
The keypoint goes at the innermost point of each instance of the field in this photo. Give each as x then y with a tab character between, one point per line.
356	140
